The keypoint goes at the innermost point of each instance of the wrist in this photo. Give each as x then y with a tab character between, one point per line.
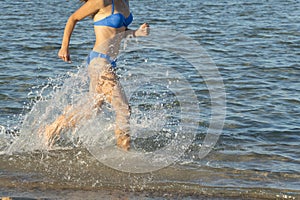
63	46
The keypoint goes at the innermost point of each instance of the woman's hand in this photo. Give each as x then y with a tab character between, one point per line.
144	30
64	54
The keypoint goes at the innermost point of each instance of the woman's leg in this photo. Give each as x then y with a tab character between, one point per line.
109	86
103	86
73	115
122	109
70	118
52	131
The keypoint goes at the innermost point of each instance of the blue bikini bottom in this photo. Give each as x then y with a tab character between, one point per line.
94	54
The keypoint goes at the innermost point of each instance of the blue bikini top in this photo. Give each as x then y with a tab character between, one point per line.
116	20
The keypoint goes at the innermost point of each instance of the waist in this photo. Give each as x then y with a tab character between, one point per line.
93	54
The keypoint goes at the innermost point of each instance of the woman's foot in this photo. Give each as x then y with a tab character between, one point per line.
51	133
123	140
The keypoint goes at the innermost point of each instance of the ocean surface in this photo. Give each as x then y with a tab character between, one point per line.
254	50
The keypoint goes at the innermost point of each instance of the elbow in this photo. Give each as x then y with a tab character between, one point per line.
72	19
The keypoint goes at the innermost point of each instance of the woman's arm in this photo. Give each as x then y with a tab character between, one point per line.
87	9
144	30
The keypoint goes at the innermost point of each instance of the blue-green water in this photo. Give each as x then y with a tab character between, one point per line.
256	47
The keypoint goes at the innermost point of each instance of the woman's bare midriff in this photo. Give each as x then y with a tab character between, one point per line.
108	40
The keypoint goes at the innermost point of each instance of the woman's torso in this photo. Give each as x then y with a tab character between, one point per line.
108	31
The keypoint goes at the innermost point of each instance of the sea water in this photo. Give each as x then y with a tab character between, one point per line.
254	47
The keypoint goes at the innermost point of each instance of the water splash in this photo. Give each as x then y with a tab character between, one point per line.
50	102
165	108
153	120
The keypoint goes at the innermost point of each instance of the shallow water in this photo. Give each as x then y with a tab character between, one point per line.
256	48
